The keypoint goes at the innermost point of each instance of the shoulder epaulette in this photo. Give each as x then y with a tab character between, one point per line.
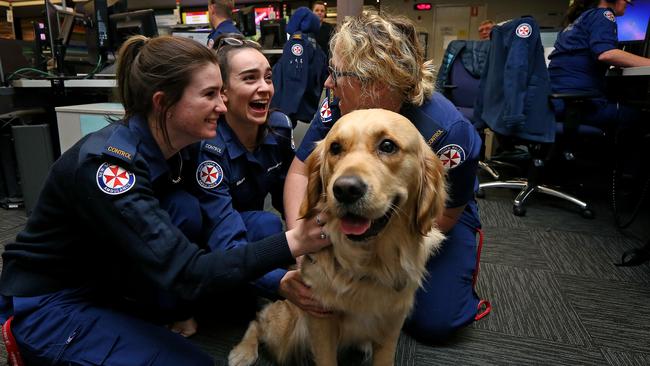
212	148
280	120
121	145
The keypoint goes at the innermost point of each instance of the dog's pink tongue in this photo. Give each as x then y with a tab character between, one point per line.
354	225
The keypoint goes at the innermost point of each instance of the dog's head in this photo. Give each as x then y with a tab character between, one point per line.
374	169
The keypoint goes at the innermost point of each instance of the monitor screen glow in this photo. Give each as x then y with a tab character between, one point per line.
632	26
263	14
195	17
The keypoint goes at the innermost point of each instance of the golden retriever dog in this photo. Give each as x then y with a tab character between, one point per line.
382	188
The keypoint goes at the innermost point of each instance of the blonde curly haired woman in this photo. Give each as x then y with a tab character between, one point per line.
377	62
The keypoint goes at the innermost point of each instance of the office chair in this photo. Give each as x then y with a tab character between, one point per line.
458	80
514	102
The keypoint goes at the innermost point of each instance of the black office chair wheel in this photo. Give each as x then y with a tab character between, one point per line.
480	193
587	213
519	210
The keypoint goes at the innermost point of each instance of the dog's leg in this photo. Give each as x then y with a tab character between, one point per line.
245	353
384	352
324	339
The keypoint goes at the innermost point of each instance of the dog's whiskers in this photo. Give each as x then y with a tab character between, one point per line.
397	210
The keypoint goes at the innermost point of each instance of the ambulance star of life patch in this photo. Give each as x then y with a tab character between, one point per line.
524	30
451	156
209	174
113	179
296	49
325	112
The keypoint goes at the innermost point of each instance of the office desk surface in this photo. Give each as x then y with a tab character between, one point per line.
69	83
636	71
94	108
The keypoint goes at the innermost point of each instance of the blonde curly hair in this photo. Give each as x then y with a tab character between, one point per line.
385	48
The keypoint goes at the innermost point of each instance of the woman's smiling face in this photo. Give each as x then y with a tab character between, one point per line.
249	87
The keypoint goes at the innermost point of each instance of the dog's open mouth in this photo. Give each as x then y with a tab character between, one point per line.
360	228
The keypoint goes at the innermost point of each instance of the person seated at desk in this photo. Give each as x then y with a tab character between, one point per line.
584	51
220	17
99	225
247	160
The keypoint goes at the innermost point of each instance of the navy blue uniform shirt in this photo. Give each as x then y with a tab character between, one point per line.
227	26
300	73
445	130
230	179
98	214
574	65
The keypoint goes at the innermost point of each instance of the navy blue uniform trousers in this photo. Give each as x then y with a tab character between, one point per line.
89	329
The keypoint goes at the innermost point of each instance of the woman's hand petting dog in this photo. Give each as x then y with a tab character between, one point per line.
293	289
308	235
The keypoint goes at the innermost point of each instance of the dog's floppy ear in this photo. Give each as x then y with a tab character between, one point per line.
432	193
315	183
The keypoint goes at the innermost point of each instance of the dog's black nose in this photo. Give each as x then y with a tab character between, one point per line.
349	188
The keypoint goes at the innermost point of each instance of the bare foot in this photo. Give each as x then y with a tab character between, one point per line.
186	328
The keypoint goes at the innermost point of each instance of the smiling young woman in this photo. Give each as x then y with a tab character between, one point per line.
248	159
103	236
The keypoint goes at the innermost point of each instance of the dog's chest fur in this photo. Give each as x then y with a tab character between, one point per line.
361	299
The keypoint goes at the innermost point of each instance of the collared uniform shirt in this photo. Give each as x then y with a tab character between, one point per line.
98	218
230	179
227	26
574	65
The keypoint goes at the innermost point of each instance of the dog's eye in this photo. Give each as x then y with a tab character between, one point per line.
335	148
387	146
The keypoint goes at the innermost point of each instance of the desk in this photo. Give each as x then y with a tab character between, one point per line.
630	85
76	121
67	83
272	51
636	71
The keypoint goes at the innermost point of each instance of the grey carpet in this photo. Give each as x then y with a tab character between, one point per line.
557	297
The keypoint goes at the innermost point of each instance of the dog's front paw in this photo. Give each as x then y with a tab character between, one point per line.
243	355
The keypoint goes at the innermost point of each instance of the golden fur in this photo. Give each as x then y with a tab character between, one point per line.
381	159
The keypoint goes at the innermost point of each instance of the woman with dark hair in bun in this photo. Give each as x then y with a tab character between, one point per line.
107	222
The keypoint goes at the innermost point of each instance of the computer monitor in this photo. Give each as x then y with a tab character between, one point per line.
246	20
263	14
646	43
60	22
273	34
97	30
195	18
124	25
633	26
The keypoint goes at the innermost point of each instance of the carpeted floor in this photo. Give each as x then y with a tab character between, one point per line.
557	297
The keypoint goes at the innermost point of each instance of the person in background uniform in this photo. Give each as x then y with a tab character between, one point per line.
387	70
583	52
300	73
247	160
326	30
485	28
220	16
99	224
